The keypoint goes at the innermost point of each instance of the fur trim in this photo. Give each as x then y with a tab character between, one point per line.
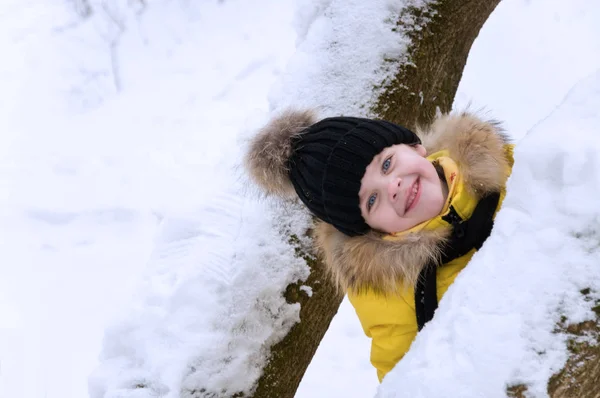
369	261
267	157
476	145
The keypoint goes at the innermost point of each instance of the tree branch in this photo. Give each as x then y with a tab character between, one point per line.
436	59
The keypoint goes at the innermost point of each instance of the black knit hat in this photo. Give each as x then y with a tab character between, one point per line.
329	159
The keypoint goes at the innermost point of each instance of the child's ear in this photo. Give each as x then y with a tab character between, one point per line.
421	150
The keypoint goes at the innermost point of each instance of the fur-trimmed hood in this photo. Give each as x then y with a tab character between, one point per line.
370	261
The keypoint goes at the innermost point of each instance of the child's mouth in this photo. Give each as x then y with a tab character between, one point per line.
414	196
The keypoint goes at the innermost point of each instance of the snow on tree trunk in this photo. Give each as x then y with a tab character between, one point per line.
437	37
580	377
434	64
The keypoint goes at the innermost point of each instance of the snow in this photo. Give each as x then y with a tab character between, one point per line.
127	228
341	41
527	56
497	323
204	316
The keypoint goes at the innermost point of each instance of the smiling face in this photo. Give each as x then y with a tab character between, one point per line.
400	189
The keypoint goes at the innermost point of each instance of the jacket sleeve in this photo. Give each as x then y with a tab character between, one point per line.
391	324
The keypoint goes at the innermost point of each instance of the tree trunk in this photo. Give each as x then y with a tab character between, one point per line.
580	377
438	56
290	357
436	59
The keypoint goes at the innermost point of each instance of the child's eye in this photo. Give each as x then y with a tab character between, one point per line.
386	165
371	201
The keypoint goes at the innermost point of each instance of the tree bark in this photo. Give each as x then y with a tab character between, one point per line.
428	81
439	54
580	377
290	357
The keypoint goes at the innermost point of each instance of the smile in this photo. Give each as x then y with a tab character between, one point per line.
415	194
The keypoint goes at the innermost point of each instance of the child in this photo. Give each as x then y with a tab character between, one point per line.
399	214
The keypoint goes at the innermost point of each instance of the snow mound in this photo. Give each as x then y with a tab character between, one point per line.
211	304
497	325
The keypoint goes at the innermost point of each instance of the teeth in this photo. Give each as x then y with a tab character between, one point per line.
413	195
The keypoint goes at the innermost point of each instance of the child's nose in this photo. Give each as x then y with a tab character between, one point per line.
394	189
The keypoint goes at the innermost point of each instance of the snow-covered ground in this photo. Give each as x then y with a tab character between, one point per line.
119	136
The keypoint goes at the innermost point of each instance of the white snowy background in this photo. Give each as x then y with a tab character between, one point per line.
121	128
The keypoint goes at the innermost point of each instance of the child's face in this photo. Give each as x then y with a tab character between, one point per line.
400	189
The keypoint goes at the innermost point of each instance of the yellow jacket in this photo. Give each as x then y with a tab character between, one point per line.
379	271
